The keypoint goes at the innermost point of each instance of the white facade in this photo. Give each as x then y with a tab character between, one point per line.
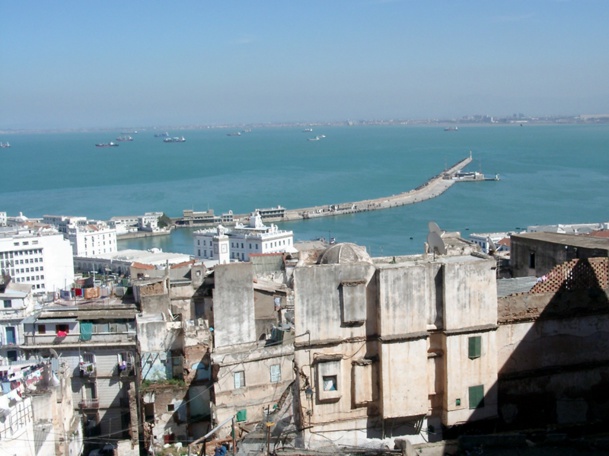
92	238
16	302
149	221
43	261
61	222
487	241
2	218
243	240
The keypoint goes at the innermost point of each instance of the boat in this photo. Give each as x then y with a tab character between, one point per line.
175	139
307	130
234	134
4	145
161	135
124	138
108	144
317	138
473	176
451	129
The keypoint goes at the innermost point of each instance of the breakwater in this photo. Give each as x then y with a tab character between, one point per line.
430	189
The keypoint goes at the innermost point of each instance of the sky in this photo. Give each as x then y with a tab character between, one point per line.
106	64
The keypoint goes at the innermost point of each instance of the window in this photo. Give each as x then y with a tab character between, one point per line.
330	383
42	329
11	335
170	407
239	378
7	304
275	373
476	397
61	330
474	347
532	260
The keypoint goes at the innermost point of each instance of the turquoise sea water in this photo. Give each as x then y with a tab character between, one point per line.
549	174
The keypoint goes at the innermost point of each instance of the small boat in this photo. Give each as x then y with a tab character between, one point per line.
234	134
108	144
124	138
4	145
161	135
317	138
175	139
451	129
307	130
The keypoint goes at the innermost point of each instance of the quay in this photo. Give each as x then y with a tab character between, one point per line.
434	187
430	189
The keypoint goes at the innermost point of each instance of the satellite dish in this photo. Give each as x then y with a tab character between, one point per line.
434	228
491	245
53	353
436	244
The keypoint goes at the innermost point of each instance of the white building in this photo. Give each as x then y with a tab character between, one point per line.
40	259
149	221
91	238
61	222
237	244
16	303
3	219
488	241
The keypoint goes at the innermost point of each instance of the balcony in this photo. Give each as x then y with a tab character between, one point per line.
89	404
126	371
51	340
88	370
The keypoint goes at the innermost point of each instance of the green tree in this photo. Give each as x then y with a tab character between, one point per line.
165	221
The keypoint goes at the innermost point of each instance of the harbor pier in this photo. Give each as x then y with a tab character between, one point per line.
430	189
434	187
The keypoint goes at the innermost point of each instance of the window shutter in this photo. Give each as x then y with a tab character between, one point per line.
476	397
474	347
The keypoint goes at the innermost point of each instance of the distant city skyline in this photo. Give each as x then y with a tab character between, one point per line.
74	65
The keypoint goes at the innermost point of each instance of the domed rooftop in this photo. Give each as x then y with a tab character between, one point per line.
345	253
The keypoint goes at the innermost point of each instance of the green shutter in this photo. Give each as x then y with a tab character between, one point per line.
242	415
476	396
474	347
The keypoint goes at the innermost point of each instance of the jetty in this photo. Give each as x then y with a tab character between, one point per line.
433	187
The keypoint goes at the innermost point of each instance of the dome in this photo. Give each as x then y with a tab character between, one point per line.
345	253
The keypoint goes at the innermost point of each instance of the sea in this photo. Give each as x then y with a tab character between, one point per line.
549	174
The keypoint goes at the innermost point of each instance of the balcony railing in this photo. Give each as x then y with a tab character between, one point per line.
88	370
89	404
74	338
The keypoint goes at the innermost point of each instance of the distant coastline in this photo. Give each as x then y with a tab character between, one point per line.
475	120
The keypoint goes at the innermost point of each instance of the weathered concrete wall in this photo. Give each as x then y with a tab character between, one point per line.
233	311
318	297
553	357
462	373
258	388
155	304
170	413
470	292
404	379
545	254
403	301
550	344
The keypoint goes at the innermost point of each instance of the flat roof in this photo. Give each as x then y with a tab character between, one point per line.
140	256
506	287
567	239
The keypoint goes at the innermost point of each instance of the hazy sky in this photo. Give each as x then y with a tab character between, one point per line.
73	64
